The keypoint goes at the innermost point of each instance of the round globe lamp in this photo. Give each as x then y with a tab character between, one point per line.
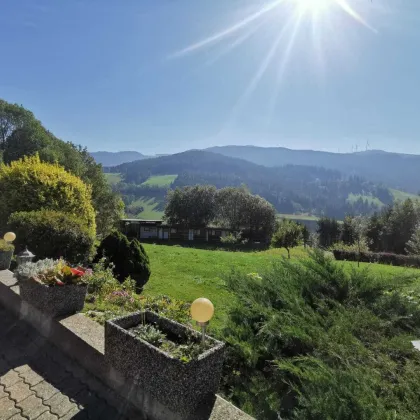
9	237
202	311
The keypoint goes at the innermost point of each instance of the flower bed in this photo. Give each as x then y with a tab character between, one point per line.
165	358
52	286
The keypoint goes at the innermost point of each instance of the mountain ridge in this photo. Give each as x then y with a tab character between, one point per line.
396	170
290	188
109	159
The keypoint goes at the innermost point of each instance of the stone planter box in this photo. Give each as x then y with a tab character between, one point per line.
181	387
54	301
5	259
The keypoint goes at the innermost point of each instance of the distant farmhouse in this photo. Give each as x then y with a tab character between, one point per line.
159	230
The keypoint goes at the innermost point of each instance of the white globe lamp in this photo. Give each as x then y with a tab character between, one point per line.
202	311
9	237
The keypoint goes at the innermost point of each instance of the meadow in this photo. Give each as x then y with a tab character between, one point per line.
188	273
163	181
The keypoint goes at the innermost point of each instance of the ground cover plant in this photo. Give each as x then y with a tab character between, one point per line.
314	340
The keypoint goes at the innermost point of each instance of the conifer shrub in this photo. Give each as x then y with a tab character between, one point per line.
311	340
53	234
128	257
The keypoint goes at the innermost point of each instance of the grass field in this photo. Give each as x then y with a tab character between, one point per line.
113	178
298	217
189	273
163	181
150	206
401	195
352	198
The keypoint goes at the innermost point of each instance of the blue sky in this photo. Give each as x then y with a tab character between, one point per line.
162	76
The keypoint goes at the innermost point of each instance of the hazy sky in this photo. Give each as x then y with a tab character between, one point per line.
162	76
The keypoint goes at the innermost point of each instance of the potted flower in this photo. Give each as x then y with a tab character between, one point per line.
166	359
52	286
6	254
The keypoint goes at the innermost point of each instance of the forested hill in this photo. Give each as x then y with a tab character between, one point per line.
290	188
116	158
400	171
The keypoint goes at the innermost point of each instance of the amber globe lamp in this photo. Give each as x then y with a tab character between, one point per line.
202	311
9	237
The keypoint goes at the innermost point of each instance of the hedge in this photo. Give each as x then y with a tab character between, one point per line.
31	185
378	257
52	234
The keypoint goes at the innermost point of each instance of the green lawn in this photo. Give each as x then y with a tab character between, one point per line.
113	178
163	181
189	273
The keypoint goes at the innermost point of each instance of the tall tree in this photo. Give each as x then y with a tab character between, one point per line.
191	206
400	226
12	117
237	208
347	231
413	245
328	231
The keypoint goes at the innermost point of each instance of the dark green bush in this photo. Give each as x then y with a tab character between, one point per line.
310	340
129	258
52	234
378	257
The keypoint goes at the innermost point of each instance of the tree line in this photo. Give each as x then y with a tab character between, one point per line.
230	207
395	229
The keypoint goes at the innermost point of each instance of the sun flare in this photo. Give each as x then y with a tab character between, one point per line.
314	6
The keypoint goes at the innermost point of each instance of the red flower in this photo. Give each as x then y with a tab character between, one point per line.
59	282
77	272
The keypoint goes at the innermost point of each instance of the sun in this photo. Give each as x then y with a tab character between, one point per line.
314	6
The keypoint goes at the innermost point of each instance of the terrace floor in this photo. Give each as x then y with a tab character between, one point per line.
37	381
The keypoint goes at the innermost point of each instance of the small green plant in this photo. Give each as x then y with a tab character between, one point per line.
185	349
6	246
120	298
233	238
149	333
102	280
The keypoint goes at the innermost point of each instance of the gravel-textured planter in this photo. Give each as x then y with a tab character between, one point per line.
53	300
5	259
180	386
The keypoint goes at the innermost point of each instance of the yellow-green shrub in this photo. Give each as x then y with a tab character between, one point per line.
29	184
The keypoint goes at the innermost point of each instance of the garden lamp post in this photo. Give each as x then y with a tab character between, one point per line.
24	257
9	237
202	311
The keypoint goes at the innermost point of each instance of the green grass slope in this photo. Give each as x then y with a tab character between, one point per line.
113	178
190	273
402	195
151	208
163	181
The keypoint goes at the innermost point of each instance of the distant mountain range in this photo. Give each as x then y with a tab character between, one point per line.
396	170
117	158
312	190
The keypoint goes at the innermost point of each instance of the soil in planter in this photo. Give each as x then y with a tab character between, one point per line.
182	348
